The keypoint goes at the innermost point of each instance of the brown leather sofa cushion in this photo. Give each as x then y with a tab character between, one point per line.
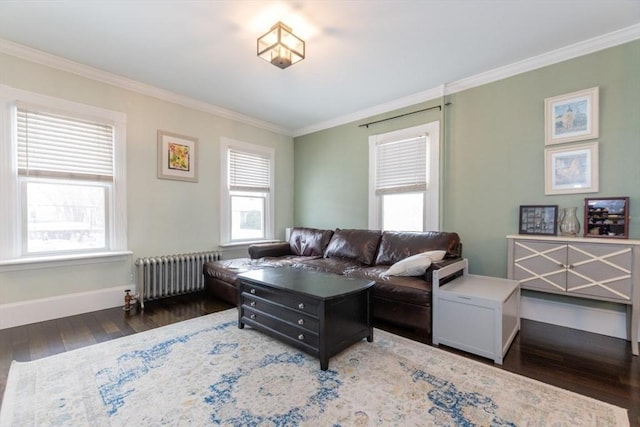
360	245
397	245
227	270
329	265
271	249
309	241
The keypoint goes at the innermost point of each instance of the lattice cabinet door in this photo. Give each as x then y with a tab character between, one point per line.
600	270
540	265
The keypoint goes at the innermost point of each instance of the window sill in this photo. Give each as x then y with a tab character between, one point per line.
235	245
63	260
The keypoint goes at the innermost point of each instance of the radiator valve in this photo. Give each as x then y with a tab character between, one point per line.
129	299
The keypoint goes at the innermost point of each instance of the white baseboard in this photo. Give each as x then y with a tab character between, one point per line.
605	321
39	310
591	318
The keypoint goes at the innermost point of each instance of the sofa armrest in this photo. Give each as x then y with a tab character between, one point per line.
437	265
273	249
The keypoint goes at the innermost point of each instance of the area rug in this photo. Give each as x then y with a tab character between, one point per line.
206	371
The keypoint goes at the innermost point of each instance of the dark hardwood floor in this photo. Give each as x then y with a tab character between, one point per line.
593	365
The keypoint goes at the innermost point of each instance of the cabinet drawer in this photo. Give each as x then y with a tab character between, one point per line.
295	333
294	317
296	302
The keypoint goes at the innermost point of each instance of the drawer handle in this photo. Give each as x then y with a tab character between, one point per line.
253	316
253	291
252	304
301	337
301	322
301	305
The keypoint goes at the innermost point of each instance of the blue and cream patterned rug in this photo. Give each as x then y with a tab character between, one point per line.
206	371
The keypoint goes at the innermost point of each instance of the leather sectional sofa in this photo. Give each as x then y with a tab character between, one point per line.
403	301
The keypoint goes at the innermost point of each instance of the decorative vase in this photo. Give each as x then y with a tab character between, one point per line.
569	224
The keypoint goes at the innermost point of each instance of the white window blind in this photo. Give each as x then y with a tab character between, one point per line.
249	171
58	146
401	166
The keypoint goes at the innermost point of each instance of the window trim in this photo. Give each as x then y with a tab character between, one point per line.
11	253
225	193
431	221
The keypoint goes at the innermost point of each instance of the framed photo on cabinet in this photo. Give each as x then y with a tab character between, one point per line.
538	219
606	217
571	117
571	169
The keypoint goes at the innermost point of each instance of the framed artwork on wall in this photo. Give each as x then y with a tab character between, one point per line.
538	219
571	169
571	117
177	157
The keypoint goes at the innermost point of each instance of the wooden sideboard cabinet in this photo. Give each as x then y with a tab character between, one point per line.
594	268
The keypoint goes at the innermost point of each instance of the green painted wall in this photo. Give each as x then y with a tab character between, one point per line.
332	167
493	154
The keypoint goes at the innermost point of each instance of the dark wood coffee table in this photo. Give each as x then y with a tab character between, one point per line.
319	313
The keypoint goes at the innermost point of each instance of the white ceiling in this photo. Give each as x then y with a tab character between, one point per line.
360	53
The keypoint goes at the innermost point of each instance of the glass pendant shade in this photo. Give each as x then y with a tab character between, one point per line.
280	46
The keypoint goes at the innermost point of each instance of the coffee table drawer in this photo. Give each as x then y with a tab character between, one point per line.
293	301
295	333
297	318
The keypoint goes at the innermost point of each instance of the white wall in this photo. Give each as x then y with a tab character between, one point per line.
164	216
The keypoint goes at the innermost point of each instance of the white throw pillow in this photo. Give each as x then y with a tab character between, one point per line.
415	265
436	255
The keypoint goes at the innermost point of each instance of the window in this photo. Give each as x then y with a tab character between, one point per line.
247	192
403	179
63	174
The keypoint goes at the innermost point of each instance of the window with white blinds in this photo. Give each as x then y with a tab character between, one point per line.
57	146
63	177
249	171
401	166
247	187
404	179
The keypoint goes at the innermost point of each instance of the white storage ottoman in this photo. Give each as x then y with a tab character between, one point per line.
478	314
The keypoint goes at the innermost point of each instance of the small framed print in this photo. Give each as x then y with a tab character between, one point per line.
606	217
177	157
538	219
571	117
571	169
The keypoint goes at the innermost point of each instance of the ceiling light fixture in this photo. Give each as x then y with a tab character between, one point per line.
280	46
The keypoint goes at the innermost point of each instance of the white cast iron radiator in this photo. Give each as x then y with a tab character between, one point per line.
169	275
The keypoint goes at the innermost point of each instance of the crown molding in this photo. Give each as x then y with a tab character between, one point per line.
575	50
53	61
585	47
406	101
